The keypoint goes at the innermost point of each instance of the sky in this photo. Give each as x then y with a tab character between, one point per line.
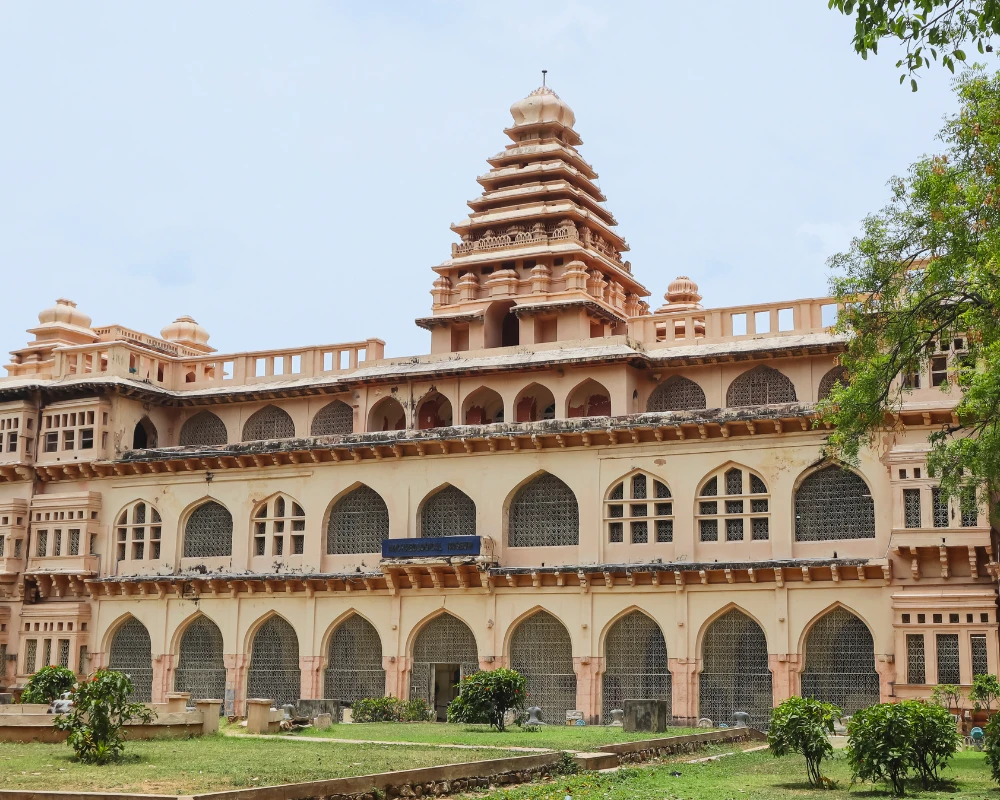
286	173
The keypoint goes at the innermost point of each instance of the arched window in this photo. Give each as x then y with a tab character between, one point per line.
144	434
138	525
826	384
201	668
635	658
834	503
643	502
760	386
534	403
270	422
387	415
544	513
204	428
735	674
736	501
589	399
354	666
446	646
359	521
434	412
449	512
209	532
333	419
279	525
274	671
677	393
540	649
483	406
840	662
132	653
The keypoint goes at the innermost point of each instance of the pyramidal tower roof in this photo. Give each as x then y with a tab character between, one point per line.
538	241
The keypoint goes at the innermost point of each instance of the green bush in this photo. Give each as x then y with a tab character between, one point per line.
992	746
880	745
947	695
377	709
48	684
935	739
416	710
486	697
801	725
985	691
101	707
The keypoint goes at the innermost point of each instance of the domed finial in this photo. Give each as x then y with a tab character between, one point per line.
184	330
682	295
64	312
541	106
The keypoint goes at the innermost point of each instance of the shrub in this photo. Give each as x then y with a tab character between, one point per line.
985	691
416	710
992	746
880	745
377	709
801	725
486	697
935	738
101	707
947	695
48	684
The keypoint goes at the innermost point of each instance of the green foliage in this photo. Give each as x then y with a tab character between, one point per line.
992	746
946	695
985	691
567	764
935	739
879	745
485	697
933	31
802	725
925	271
390	709
48	684
416	710
101	708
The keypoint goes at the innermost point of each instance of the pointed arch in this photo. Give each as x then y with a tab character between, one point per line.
833	502
274	672
733	504
201	667
635	661
649	520
543	513
144	434
138	533
357	523
542	651
760	386
589	398
827	382
840	661
533	403
336	418
442	639
354	661
208	531
131	652
278	525
204	428
735	673
484	406
269	422
677	393
448	512
387	415
434	411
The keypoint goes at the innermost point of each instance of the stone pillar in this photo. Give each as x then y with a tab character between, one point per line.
588	670
489	663
785	677
177	701
236	664
885	666
396	669
209	715
312	677
97	661
684	688
258	714
162	673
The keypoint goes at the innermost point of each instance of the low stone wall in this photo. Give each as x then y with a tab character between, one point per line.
644	750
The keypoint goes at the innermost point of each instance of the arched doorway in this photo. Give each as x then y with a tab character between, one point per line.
735	675
354	664
132	653
635	658
444	652
274	671
840	662
144	435
541	650
201	669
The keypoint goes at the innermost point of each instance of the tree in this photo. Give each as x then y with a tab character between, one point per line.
985	691
947	695
926	272
931	30
486	697
992	746
802	725
101	709
48	684
935	739
880	745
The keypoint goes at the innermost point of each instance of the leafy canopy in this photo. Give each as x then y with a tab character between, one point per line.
924	273
48	684
935	739
802	725
880	745
985	692
486	697
933	31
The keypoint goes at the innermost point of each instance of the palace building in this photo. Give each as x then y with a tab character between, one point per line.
620	501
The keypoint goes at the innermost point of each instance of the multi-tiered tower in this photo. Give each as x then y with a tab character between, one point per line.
540	259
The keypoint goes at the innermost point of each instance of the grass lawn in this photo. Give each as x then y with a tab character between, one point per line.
555	737
749	776
186	766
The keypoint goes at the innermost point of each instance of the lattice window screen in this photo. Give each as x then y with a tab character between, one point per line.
939	506
30	655
204	428
540	649
270	422
677	393
743	513
652	518
834	503
335	418
635	657
201	668
274	671
980	660
444	640
760	386
735	675
449	512
63	653
916	662
835	375
911	508
132	653
544	513
354	666
359	521
969	508
840	662
947	658
209	532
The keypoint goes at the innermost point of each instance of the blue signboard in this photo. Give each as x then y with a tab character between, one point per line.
431	547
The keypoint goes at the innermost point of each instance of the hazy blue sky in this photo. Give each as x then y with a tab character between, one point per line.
286	172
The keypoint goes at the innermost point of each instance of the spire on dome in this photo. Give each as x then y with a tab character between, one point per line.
541	106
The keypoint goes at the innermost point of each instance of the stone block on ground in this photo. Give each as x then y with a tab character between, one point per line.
591	762
647	715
